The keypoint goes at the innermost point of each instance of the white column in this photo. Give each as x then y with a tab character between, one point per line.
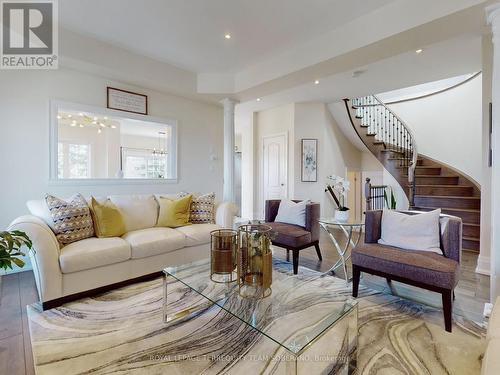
228	192
493	14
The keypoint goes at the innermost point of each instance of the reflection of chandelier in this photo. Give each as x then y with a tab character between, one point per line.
161	145
83	120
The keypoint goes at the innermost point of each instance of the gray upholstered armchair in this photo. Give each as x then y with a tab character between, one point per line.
423	269
294	237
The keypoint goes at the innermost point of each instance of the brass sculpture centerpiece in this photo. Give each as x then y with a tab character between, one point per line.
223	245
255	263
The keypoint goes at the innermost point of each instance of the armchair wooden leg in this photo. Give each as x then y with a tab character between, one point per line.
318	251
447	309
356	273
295	262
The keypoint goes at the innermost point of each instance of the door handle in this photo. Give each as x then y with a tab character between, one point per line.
282	184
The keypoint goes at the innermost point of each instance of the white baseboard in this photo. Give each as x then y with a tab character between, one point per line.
483	265
487	309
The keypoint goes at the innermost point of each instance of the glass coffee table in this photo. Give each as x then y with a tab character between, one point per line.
312	323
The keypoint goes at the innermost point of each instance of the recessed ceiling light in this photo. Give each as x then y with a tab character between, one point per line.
316	82
227	36
418	51
258	99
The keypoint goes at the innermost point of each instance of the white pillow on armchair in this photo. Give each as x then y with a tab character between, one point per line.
290	212
412	232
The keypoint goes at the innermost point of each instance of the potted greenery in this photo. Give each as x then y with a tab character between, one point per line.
391	205
10	248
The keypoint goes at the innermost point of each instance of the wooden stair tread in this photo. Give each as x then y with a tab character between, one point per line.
470	238
449	208
445	196
443	186
432	175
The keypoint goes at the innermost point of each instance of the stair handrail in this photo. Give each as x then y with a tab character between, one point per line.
413	165
414	158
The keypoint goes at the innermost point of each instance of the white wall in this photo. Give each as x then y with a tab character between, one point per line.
484	259
336	154
24	127
448	126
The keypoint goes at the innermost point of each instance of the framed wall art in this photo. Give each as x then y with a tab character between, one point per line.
127	101
309	160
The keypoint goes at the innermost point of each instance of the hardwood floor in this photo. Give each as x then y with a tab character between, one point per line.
18	290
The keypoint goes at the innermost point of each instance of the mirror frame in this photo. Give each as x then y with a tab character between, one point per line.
56	105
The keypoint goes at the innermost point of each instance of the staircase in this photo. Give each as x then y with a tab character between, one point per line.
427	183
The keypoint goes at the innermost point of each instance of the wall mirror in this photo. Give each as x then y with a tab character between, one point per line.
91	143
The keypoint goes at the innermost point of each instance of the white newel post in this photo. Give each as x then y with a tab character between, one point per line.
228	150
493	15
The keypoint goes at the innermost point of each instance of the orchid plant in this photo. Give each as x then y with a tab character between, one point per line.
341	186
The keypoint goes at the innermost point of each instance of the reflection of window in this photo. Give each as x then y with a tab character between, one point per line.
73	160
142	163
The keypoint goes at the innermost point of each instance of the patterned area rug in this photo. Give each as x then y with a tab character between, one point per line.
122	332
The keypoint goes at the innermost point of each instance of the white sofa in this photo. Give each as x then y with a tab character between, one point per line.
491	359
97	264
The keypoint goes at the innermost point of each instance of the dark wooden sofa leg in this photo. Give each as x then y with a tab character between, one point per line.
318	251
287	255
447	308
295	261
356	273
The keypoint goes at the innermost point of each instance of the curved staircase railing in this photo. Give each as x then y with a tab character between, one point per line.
390	132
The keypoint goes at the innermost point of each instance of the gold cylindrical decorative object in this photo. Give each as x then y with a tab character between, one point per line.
223	245
255	261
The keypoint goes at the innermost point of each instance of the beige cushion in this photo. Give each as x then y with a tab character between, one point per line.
494	322
154	241
491	359
138	211
198	234
93	252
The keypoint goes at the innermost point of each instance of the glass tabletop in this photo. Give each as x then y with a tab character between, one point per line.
348	223
298	311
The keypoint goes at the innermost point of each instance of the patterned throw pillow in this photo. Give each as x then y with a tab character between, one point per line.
72	220
202	209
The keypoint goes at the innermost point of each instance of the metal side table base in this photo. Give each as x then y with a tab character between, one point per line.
348	229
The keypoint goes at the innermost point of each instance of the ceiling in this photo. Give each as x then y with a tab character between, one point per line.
190	33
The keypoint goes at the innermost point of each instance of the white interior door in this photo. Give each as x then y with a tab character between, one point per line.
275	167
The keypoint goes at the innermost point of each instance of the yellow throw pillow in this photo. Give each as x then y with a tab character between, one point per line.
174	213
108	220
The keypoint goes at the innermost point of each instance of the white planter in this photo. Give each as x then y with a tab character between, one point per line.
341	215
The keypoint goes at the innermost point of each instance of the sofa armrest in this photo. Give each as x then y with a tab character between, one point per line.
44	258
312	220
451	236
225	213
491	361
373	226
